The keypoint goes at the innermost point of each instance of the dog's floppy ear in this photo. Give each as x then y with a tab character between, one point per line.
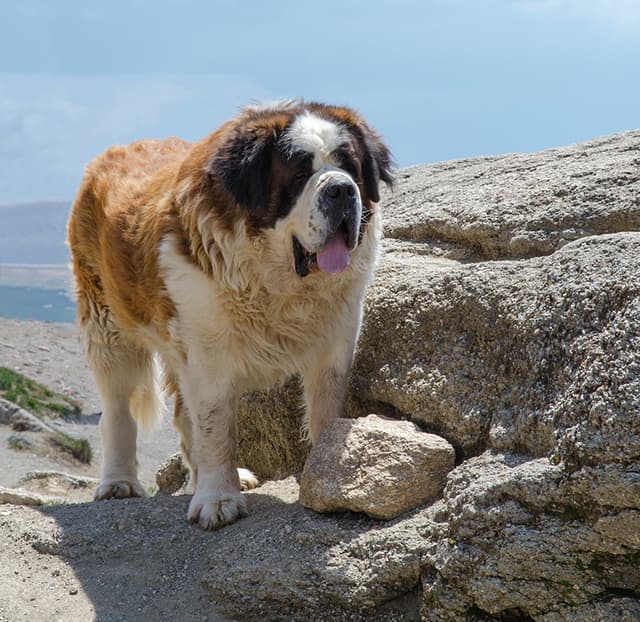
377	164
243	165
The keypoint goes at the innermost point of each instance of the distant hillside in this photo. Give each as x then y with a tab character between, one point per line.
34	233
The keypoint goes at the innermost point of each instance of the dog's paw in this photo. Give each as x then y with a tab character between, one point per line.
214	510
247	479
119	489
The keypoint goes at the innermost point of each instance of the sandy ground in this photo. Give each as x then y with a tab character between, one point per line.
52	355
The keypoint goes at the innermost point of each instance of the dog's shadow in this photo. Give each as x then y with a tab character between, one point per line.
140	558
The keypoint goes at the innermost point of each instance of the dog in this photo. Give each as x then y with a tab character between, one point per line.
236	261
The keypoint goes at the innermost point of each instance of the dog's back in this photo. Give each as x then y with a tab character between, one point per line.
105	234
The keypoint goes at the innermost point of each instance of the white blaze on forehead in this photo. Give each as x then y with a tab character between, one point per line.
317	136
271	106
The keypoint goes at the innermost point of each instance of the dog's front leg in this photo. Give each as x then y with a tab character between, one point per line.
325	386
217	499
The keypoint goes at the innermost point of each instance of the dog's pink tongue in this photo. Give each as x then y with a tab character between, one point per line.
333	257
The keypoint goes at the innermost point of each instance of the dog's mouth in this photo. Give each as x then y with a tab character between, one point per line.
332	257
305	260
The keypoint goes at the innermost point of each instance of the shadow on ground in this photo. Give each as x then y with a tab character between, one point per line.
139	559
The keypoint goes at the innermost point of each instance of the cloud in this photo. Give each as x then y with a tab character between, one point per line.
622	17
52	125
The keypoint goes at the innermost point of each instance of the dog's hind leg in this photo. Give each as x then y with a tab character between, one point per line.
182	423
124	374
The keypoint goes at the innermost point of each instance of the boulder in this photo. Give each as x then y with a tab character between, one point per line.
515	538
272	441
374	465
517	205
536	356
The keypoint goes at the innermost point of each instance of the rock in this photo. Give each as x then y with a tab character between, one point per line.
19	419
321	567
511	537
374	465
283	450
618	609
18	496
172	475
536	356
19	442
517	205
57	481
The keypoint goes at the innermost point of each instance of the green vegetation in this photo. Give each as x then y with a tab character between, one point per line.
79	448
19	443
35	397
43	402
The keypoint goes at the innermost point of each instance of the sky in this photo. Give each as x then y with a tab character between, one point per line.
439	79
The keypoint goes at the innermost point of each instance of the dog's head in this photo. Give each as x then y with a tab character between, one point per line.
308	169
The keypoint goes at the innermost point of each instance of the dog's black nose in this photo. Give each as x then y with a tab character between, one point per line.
341	192
338	200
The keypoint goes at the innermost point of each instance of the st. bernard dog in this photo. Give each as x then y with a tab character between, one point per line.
239	260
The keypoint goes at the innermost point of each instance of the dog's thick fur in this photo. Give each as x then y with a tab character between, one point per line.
208	255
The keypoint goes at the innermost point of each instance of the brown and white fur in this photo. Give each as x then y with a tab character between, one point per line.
205	255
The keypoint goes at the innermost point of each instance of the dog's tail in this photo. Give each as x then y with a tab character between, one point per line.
146	402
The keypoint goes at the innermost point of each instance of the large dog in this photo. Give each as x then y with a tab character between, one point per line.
239	260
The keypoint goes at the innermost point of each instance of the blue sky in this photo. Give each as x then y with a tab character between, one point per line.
440	79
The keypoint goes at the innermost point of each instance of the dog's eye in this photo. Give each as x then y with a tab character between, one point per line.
300	175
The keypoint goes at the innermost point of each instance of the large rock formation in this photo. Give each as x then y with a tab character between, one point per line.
504	317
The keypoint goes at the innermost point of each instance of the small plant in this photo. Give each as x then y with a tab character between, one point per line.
18	443
79	448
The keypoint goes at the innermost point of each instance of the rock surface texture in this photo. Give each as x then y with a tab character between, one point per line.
374	465
505	318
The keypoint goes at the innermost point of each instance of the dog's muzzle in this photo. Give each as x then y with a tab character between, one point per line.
340	207
340	204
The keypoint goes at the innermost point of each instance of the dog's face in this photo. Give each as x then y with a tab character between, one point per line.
309	171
